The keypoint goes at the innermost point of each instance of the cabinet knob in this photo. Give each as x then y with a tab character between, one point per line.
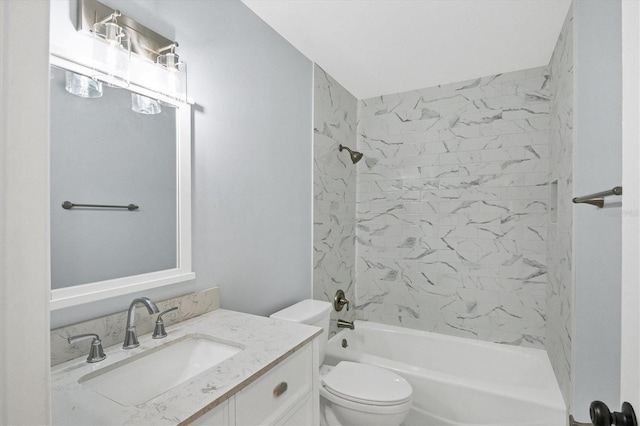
280	389
601	416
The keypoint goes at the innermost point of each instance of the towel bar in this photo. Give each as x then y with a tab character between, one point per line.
597	199
69	205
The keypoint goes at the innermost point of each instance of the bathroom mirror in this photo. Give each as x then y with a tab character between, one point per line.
120	188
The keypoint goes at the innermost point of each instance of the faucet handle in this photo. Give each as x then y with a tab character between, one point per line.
96	353
159	331
339	301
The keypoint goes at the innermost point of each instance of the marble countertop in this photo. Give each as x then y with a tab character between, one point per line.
266	342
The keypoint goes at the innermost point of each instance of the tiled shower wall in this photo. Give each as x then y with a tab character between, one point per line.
334	193
452	208
560	259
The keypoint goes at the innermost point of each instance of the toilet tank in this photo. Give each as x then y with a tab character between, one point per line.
310	312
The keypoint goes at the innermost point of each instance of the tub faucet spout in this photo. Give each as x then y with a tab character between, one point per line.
130	336
345	324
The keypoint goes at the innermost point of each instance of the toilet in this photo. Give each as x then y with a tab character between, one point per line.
351	393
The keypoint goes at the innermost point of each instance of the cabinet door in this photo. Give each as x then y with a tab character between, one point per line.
275	393
219	416
300	414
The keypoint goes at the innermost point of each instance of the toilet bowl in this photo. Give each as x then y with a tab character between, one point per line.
362	394
352	393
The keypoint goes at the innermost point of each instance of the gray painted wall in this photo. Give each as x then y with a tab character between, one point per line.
252	153
597	232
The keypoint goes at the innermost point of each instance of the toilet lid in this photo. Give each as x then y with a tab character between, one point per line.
367	384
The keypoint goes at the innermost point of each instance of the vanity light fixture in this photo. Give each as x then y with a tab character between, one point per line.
116	37
144	105
111	51
175	77
81	85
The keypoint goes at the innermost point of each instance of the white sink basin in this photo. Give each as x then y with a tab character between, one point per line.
143	377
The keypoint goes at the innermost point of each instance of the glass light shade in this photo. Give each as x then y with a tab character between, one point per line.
111	54
169	60
173	78
144	105
81	85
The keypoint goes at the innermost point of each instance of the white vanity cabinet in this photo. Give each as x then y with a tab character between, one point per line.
285	395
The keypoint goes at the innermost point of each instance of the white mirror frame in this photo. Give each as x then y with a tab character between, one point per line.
91	292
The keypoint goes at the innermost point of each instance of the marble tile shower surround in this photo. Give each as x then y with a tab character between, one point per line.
111	328
334	193
452	197
560	258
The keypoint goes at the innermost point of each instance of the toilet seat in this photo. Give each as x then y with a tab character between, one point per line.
343	403
366	384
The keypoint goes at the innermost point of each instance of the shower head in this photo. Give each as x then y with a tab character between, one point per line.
355	155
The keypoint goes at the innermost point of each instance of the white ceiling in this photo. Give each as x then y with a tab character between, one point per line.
375	47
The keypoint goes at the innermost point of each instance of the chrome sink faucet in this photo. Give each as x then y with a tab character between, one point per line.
130	336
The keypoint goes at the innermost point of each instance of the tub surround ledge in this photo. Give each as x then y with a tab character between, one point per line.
266	342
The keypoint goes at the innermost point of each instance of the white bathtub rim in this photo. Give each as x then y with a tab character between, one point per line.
538	354
503	347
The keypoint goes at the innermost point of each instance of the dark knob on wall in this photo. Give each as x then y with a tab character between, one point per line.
601	416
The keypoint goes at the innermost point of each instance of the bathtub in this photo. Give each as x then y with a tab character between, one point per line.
458	381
